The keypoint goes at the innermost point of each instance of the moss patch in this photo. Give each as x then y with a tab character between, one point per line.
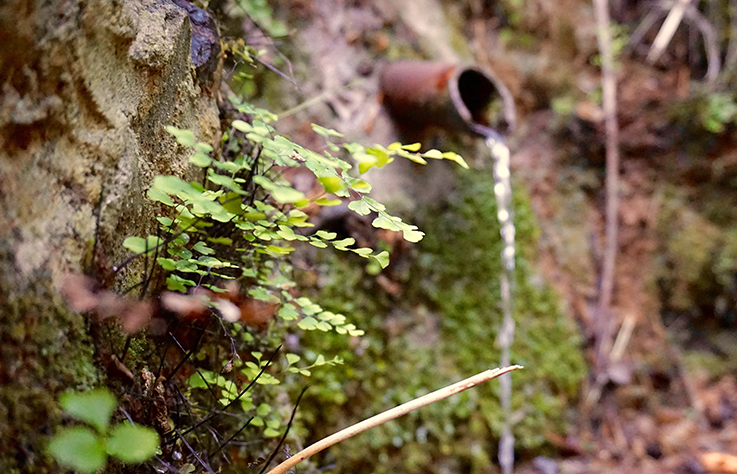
441	329
45	351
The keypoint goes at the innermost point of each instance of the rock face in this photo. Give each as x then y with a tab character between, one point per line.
87	90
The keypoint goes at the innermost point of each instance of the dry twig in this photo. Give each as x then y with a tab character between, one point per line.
609	103
391	414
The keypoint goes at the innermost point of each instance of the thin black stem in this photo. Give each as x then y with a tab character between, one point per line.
220	448
194	453
286	432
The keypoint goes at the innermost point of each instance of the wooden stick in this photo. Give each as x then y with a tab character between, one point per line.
388	415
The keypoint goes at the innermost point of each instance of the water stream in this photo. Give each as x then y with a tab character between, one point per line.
505	215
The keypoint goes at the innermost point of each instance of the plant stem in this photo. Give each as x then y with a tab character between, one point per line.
391	414
609	104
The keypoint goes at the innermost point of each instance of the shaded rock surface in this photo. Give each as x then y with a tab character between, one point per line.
87	89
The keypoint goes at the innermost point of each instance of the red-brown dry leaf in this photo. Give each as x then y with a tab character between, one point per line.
257	313
184	305
79	292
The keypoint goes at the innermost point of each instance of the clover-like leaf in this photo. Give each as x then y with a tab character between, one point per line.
307	324
94	407
132	444
359	207
140	245
184	137
200	159
78	448
382	258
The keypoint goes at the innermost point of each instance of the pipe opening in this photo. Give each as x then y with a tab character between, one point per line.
481	99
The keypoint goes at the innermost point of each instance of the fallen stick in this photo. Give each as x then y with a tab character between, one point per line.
390	414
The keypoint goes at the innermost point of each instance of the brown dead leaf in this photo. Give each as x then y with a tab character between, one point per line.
721	463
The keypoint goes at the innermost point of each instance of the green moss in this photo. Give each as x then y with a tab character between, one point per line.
45	351
443	328
697	264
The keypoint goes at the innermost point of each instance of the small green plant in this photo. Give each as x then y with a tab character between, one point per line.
241	223
620	39
258	214
720	110
87	450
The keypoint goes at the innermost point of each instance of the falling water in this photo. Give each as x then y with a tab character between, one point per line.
505	214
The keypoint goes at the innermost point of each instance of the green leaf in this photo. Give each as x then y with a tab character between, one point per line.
344	244
132	444
78	448
293	358
373	204
226	181
434	154
449	155
359	207
271	433
288	313
382	157
412	235
140	245
165	221
94	407
358	185
173	185
328	202
325	132
324	326
288	234
177	283
323	234
412	157
307	324
159	196
386	222
332	184
242	126
202	248
318	243
184	137
220	240
279	251
365	161
382	258
412	147
263	409
167	264
286	195
211	262
200	159
203	147
363	252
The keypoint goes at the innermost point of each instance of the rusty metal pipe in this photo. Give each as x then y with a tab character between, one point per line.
424	94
